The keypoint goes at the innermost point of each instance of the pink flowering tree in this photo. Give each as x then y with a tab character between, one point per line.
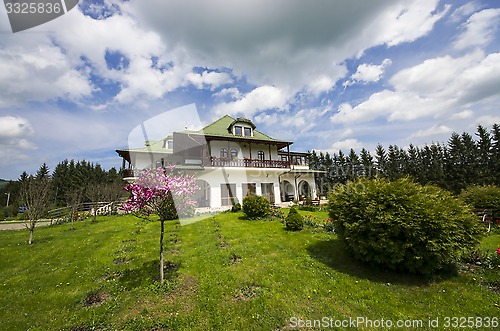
164	193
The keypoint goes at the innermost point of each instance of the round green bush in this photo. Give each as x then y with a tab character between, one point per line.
402	225
293	221
255	206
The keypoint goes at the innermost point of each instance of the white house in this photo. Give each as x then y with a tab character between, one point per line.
231	159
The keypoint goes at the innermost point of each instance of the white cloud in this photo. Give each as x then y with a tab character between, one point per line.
345	145
432	131
231	92
487	120
321	84
367	73
462	115
262	41
480	29
259	99
38	72
435	88
14	134
464	11
212	79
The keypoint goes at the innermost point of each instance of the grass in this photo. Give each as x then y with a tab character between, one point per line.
223	273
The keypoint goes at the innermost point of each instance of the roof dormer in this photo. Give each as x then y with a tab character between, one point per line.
242	127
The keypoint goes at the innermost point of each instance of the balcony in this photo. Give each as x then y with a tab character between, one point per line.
247	163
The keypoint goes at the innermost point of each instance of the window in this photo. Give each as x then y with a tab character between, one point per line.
260	155
268	191
249	189
234	153
170	144
248	132
238	130
223	152
228	194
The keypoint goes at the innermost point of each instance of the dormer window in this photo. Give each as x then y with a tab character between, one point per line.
170	144
241	127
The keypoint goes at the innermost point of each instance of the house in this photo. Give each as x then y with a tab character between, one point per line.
230	159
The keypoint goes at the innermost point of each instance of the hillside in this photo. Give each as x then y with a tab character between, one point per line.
224	273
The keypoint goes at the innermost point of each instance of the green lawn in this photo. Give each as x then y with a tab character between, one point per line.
224	273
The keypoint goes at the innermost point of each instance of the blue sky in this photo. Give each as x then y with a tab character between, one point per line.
328	75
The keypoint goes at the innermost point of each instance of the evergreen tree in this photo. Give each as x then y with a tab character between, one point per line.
353	166
413	165
484	157
471	164
43	172
495	153
367	164
380	161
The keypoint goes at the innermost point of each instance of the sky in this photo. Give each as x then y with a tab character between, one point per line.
328	75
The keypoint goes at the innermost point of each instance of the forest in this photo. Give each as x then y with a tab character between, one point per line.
71	182
463	161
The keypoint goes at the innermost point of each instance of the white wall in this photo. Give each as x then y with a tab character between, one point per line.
238	177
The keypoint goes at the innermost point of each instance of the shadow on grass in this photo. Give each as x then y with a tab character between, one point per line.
333	254
147	274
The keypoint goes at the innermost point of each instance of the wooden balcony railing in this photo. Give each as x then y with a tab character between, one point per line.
247	163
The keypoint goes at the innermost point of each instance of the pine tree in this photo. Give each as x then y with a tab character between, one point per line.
380	161
368	166
470	166
43	172
413	166
484	157
495	153
353	166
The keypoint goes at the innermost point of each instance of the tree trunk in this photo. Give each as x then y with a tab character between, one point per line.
161	250
32	228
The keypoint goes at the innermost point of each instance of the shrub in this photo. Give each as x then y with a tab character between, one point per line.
487	197
255	206
293	221
402	225
236	207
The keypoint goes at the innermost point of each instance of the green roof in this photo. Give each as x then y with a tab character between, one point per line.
221	128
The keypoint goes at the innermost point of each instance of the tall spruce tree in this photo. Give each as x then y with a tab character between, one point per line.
380	161
495	153
484	157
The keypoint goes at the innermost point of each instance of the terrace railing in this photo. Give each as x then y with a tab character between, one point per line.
247	163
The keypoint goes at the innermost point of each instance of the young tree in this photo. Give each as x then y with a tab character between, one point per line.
35	195
166	194
75	200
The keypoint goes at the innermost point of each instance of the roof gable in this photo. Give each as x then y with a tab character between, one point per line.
222	128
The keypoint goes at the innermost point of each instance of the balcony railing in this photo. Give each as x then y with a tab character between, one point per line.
247	163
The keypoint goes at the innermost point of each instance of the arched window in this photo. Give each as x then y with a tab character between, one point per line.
260	155
234	153
223	152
